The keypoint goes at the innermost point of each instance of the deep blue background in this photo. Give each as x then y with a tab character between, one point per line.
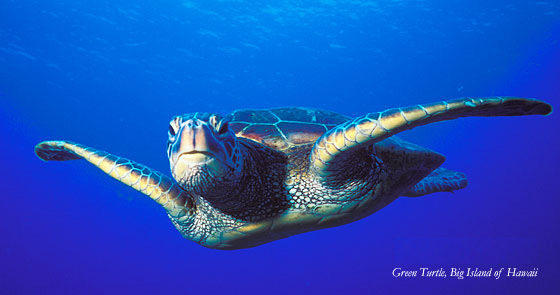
110	74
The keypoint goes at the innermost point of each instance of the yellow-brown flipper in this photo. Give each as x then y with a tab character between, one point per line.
154	184
374	127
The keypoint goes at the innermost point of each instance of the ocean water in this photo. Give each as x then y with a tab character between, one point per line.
110	74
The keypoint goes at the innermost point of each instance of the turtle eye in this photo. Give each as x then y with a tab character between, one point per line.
173	126
222	127
171	130
214	121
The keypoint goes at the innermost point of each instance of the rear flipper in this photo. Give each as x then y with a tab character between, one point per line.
440	180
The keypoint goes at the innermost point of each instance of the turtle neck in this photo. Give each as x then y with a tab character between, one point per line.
258	193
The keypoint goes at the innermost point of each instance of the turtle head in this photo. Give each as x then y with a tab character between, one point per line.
204	154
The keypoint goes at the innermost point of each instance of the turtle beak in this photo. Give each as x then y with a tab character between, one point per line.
197	149
196	143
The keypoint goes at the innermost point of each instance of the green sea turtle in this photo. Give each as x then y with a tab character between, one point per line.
256	176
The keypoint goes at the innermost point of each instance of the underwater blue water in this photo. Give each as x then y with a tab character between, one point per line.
110	74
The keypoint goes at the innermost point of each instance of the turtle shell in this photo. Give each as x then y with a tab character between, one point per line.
283	128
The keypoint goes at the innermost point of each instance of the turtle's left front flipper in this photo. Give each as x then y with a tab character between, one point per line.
374	127
154	184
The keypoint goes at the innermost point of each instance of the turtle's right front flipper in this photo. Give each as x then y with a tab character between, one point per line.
154	184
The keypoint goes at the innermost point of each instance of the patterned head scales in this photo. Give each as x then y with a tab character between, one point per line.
203	152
